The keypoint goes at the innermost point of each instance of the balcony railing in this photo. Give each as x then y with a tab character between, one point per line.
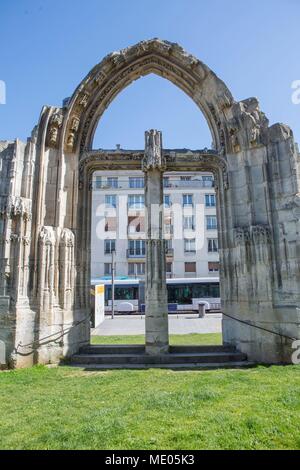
99	186
138	206
169	229
135	230
189	184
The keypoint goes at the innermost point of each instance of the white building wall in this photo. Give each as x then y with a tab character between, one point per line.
178	188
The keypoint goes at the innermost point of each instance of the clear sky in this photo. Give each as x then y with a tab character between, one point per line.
48	46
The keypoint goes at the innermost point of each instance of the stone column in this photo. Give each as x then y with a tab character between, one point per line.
156	296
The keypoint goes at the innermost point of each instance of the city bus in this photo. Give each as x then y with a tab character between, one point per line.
184	294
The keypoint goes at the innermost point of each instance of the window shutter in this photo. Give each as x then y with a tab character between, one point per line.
213	266
190	267
110	224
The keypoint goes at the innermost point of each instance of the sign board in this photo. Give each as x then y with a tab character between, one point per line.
99	310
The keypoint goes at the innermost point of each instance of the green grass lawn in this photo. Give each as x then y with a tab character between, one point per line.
210	338
69	408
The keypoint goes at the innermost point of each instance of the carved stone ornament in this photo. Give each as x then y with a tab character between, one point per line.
294	206
72	133
257	234
54	128
67	238
248	126
83	100
18	207
47	236
154	159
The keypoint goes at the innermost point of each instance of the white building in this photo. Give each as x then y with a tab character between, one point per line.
118	225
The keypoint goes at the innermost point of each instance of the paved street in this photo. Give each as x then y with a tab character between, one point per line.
181	324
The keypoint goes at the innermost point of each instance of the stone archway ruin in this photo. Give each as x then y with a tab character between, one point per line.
45	217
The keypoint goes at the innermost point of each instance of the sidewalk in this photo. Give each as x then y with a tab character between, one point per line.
181	324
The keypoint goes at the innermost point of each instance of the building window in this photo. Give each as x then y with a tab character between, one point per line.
136	182
166	181
131	269
210	200
112	182
111	201
187	200
107	269
136	269
185	178
110	224
109	246
168	245
190	267
167	200
213	245
169	268
189	222
136	201
137	248
136	224
97	182
213	267
211	222
190	245
208	181
140	269
168	227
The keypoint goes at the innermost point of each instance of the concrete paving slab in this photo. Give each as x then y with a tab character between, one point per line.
178	324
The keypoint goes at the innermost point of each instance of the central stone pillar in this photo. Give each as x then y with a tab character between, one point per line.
156	295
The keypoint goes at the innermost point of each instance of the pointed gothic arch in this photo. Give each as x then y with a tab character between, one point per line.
120	69
45	212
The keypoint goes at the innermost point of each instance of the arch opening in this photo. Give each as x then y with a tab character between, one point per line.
152	102
132	267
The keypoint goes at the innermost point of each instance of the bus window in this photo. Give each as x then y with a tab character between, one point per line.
214	290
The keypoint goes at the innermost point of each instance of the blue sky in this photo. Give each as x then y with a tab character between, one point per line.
48	46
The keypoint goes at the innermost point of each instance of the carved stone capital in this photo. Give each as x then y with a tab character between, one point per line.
47	236
67	238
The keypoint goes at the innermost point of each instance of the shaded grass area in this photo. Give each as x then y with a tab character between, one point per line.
198	339
69	408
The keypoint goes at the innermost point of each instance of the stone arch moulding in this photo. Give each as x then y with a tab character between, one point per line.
45	212
170	61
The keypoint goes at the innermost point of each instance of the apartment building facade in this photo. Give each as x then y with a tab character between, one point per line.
118	224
